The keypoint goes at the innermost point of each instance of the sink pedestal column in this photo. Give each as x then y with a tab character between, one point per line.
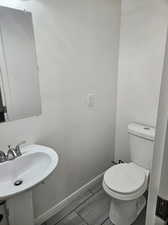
21	209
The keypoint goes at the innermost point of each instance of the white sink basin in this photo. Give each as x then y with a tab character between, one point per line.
36	163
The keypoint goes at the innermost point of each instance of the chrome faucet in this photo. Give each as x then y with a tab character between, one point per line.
11	153
3	157
17	148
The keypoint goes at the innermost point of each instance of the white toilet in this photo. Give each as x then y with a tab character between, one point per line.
127	182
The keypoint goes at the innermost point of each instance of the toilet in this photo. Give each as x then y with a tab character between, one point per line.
126	183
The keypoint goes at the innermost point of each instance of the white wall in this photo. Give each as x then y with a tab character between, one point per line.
77	48
142	42
158	179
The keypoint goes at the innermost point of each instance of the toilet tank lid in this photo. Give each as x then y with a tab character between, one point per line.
142	130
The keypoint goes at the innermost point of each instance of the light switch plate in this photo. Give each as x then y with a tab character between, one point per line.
91	100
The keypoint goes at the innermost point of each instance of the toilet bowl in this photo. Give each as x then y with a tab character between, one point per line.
126	184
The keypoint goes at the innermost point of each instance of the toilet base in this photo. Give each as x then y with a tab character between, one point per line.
126	212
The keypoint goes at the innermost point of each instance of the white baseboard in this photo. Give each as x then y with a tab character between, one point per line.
56	208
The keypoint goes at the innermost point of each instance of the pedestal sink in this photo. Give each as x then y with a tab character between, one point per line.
19	176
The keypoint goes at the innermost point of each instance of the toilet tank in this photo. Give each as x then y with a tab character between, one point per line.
141	143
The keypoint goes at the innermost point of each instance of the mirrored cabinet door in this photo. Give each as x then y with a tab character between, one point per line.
20	93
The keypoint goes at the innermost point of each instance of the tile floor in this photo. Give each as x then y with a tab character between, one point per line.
92	208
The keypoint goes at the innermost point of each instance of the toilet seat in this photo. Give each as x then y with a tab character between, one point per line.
125	181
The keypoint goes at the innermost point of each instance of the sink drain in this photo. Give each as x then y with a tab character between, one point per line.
18	182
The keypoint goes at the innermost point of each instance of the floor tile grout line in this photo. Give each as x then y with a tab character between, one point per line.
78	214
74	210
86	200
96	191
82	219
104	220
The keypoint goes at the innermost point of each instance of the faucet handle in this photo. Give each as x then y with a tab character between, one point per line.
17	148
21	143
11	153
3	157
